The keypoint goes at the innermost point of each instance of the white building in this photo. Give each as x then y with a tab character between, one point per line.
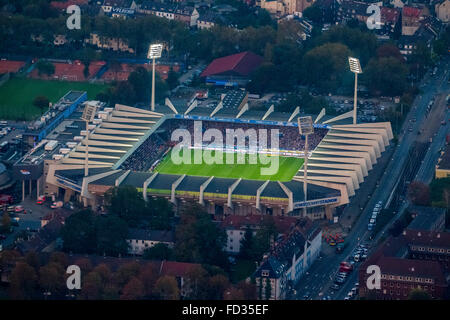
290	258
140	239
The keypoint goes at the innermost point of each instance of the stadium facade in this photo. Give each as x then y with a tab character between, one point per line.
126	142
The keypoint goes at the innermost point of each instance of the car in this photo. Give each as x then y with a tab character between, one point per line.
363	257
18	209
373	217
369	226
356	257
354	290
11	209
40	200
347	298
335	286
372	221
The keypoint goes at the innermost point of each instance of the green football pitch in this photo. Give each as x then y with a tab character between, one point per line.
17	95
287	168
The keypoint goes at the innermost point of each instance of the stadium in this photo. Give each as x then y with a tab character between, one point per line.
131	146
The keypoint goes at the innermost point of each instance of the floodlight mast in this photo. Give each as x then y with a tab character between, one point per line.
88	115
355	67
305	128
154	52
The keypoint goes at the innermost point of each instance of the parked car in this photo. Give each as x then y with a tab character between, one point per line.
18	209
40	200
56	204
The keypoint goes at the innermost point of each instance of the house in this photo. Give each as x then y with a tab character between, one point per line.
442	10
122	13
236	226
109	5
427	31
292	255
207	20
415	259
171	11
233	70
59	40
141	239
411	18
114	44
281	8
443	165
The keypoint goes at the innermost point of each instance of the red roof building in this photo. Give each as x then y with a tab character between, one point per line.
7	66
70	71
239	64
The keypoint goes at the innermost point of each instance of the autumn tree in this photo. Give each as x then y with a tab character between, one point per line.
419	193
133	290
166	288
23	282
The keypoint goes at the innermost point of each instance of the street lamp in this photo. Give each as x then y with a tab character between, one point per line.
154	52
305	128
88	115
355	67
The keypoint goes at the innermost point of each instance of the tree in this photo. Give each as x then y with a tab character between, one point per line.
419	294
111	232
386	76
233	293
248	245
217	285
148	277
6	222
264	237
197	283
419	193
172	79
78	233
23	282
126	202
92	286
52	278
45	67
160	251
41	102
326	65
313	13
133	290
32	259
126	272
198	238
161	212
166	288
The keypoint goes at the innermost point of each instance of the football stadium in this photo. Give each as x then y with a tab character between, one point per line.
132	146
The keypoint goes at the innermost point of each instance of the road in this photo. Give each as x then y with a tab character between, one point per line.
317	282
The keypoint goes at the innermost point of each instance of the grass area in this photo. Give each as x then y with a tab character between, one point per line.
17	94
242	269
287	167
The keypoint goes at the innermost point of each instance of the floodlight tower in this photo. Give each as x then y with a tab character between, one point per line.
154	52
305	128
355	67
88	115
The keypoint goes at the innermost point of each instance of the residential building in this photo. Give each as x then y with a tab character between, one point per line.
442	10
233	70
236	226
291	256
109	5
141	239
284	7
171	11
417	259
207	20
443	165
115	44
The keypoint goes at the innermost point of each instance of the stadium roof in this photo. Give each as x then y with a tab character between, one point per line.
239	64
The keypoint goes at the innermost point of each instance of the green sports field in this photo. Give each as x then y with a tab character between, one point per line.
287	168
17	94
